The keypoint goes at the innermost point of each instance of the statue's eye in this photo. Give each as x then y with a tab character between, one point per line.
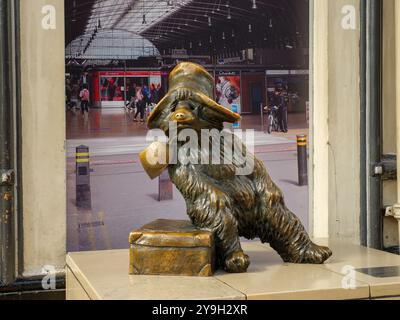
193	106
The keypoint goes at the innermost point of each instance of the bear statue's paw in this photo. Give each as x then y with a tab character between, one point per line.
316	254
182	94
237	262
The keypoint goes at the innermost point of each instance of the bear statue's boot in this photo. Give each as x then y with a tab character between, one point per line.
232	257
236	262
285	233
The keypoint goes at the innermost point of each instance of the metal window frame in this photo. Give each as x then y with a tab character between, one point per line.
8	144
371	220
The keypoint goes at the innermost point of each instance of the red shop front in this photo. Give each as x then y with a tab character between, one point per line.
112	88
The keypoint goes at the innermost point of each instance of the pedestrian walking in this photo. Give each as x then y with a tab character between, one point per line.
140	106
146	95
284	111
84	95
281	103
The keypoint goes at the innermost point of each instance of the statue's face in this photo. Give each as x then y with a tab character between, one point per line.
184	114
188	114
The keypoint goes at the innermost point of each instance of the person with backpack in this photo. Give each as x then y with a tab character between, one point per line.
146	95
85	97
140	106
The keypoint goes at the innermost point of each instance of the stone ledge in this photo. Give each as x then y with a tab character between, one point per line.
104	275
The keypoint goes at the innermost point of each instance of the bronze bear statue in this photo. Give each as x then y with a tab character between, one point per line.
218	199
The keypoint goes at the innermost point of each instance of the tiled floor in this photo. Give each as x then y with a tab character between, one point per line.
111	123
104	275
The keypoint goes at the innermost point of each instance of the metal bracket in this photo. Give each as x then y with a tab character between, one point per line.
393	211
387	168
389	212
7	178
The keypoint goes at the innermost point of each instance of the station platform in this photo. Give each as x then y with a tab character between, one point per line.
117	123
354	272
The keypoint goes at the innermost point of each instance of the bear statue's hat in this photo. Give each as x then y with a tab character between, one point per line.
196	80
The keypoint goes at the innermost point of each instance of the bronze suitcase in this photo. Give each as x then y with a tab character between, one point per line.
170	247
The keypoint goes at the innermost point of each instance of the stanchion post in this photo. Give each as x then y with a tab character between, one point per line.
83	194
302	159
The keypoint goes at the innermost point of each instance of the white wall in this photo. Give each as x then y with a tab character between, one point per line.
43	138
319	120
336	122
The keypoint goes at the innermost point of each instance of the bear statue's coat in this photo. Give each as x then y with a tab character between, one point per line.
230	205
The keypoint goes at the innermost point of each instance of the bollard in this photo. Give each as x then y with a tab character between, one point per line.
83	194
262	116
302	159
165	189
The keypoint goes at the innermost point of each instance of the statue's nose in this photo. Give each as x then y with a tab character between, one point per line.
180	116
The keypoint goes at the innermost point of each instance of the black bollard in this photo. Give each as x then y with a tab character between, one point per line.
83	194
302	159
165	188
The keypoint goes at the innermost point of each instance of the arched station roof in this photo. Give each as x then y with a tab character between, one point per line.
151	27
